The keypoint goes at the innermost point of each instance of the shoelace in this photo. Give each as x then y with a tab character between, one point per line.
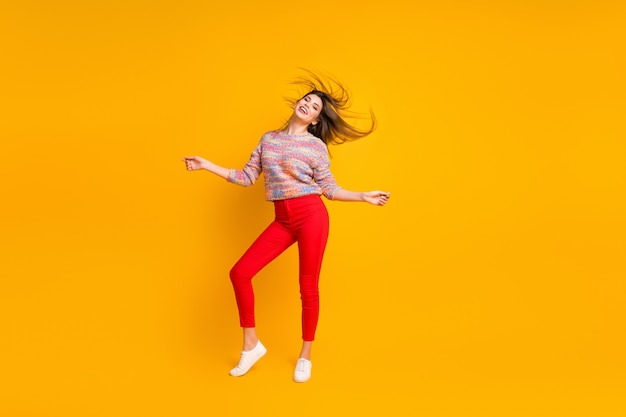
301	366
241	361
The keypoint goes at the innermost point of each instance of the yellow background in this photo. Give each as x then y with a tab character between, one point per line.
492	284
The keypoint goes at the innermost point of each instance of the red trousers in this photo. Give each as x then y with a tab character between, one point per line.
303	220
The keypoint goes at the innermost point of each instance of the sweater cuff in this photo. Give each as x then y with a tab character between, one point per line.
231	175
331	194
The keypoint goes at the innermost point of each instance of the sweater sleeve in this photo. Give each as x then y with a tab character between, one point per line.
250	172
323	177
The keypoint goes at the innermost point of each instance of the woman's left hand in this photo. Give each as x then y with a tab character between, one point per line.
377	198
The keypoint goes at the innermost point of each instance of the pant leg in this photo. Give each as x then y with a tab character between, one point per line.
312	236
271	242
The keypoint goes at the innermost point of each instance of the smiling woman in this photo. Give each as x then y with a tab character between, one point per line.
296	168
495	278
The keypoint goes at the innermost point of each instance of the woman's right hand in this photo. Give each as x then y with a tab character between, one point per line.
194	163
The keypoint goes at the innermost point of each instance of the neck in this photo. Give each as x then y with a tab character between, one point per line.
296	128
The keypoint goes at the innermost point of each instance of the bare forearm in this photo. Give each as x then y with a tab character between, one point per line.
216	169
195	163
347	195
377	198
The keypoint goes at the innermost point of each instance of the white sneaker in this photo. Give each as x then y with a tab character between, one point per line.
248	358
303	370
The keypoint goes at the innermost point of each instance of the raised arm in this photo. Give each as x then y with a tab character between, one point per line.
377	198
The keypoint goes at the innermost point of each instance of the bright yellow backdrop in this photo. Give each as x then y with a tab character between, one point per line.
491	285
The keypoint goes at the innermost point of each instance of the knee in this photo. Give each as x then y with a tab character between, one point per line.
239	274
310	295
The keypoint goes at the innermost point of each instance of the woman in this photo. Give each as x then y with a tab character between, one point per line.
295	163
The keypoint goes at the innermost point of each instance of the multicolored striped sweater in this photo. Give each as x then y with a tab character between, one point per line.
293	166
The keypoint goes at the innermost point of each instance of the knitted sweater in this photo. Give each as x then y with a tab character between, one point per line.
293	166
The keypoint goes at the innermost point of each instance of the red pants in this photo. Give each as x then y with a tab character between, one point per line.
303	220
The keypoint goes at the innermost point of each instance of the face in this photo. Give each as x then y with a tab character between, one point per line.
308	108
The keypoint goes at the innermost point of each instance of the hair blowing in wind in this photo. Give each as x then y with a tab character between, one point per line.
333	127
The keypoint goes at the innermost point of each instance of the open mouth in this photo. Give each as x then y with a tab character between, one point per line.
303	110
